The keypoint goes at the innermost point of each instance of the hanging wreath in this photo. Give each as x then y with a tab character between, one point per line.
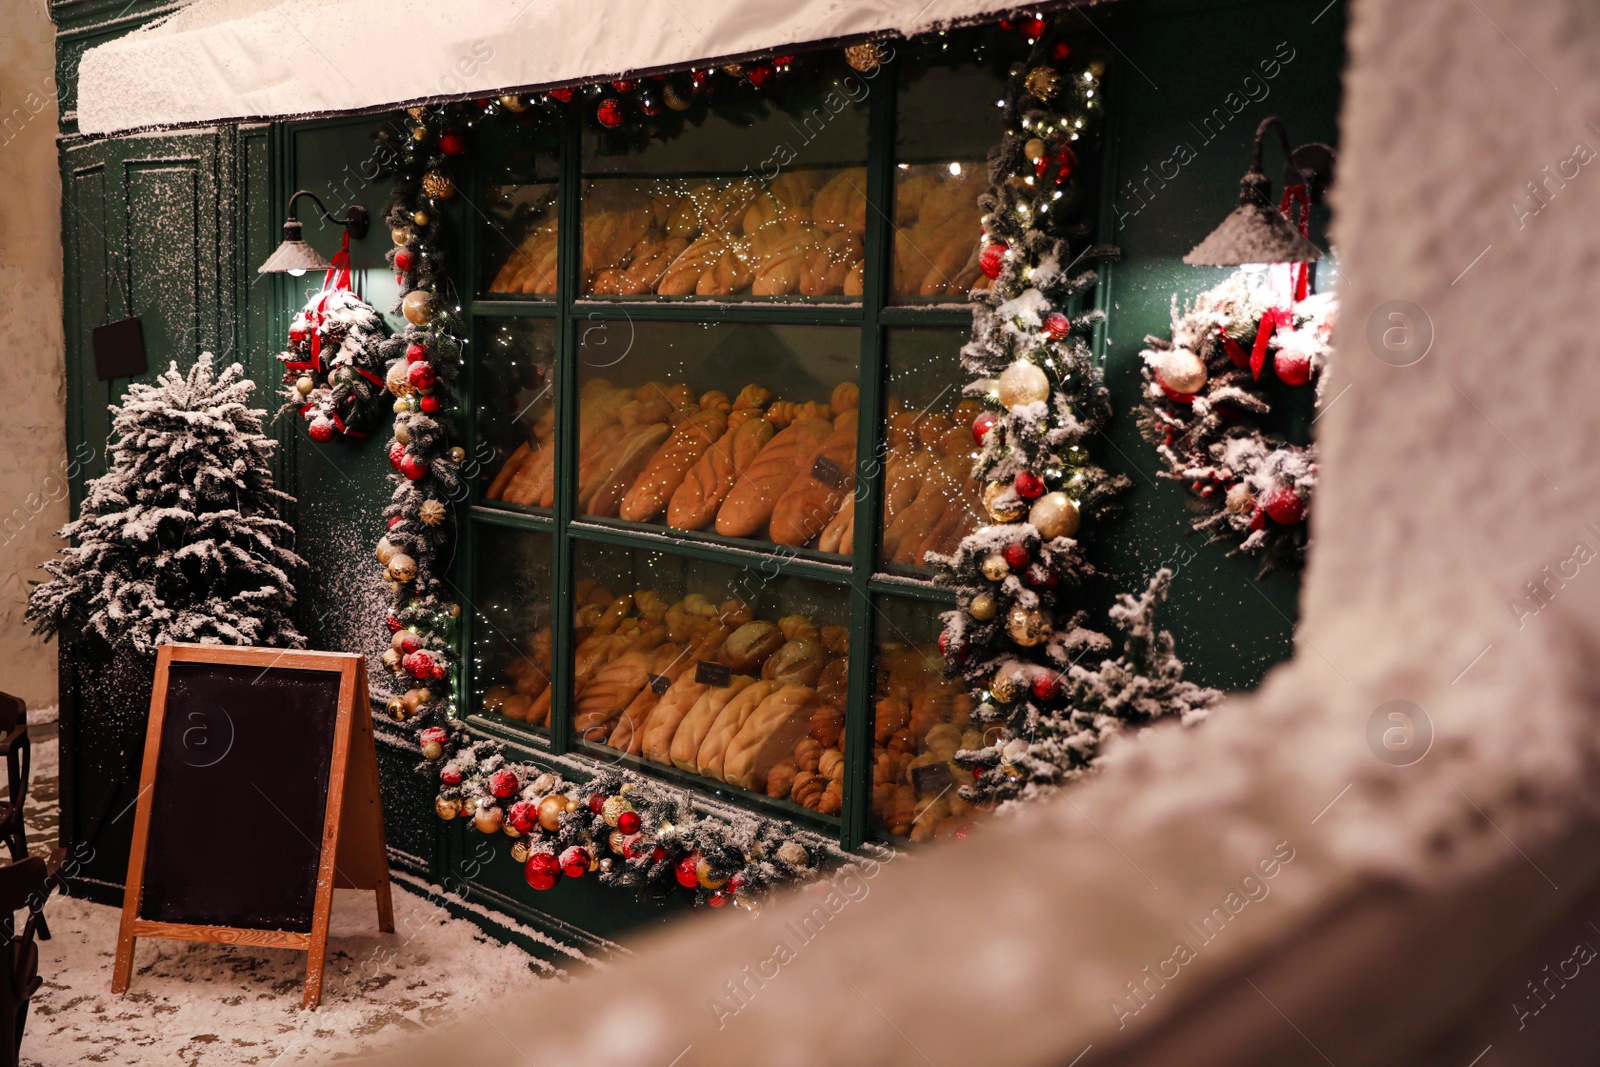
333	367
1206	399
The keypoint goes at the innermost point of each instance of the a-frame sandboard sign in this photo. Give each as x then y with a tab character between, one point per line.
258	797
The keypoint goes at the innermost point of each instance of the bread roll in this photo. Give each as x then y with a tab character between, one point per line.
798	661
840	534
707	484
842	203
653	488
612	689
630	461
749	646
810	503
700	718
668	713
751	500
709	760
767	736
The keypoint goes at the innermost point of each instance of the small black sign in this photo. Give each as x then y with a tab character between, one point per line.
119	350
714	674
828	472
934	778
659	683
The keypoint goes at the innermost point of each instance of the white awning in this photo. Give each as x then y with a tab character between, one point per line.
220	60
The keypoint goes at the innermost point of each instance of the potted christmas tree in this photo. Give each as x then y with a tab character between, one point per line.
180	540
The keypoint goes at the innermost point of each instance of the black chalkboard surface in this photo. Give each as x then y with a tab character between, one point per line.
258	795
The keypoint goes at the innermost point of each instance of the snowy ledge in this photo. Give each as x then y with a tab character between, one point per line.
221	60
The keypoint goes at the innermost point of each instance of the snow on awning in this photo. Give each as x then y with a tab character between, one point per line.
219	60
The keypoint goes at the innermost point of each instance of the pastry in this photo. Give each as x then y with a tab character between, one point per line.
668	713
751	500
750	645
798	661
612	689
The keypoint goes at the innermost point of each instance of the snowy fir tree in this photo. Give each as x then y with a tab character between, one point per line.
181	539
1018	635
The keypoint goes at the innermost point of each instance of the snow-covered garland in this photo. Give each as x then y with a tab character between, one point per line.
1204	405
1018	636
344	392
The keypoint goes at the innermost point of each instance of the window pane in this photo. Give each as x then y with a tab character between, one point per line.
515	456
764	198
744	431
511	626
930	500
517	235
948	119
717	671
921	720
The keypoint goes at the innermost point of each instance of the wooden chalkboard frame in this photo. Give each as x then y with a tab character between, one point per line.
353	850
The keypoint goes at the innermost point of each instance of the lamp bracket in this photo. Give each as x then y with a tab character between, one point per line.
356	219
1315	162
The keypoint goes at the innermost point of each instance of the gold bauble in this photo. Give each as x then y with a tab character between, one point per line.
1034	149
1023	383
457	454
489	820
1029	627
675	99
794	854
417	112
519	852
544	783
438	185
418	307
512	102
1042	82
396	380
419	133
432	513
709	877
613	808
469	807
386	551
397	709
400	235
402	433
391	659
402	568
1004	687
402	406
454	611
446	807
510	830
1054	515
995	567
1002	502
1182	371
1240	500
423	695
304	385
865	57
398	641
570	806
617	840
551	808
983	606
420	218
733	70
1097	67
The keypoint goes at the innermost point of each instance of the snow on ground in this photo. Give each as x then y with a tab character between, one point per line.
199	1005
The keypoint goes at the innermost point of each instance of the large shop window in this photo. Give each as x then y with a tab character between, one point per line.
697	362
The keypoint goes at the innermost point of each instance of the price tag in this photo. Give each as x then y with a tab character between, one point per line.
719	675
828	472
659	684
933	778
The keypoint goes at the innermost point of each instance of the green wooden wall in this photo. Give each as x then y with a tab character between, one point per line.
187	217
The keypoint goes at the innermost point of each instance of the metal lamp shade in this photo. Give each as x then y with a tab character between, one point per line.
293	255
1253	232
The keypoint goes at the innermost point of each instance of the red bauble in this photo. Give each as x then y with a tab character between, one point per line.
992	258
299	332
609	113
634	845
439	671
452	143
687	871
658	854
391	622
393	521
412	467
1044	688
1028	485
1283	505
1016	555
949	648
415	353
420	375
629	822
450	774
1258	520
575	861
430	405
563	95
736	882
1032	27
542	870
1292	368
759	75
1173	395
433	735
409	643
782	61
623	86
1038	576
322	430
597	802
1057	326
981	425
1061	51
419	664
397	454
503	783
524	816
404	259
718	898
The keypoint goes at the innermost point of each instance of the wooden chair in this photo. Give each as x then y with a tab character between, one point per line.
23	885
17	750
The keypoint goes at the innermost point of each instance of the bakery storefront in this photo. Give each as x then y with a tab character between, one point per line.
638	503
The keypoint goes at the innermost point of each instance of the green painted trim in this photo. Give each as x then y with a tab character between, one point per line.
912	588
515	519
769	312
702	548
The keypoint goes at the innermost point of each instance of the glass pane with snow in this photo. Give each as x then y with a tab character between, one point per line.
930	500
728	674
921	719
734	193
511	626
735	430
514	455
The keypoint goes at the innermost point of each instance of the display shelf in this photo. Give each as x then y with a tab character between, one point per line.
713	548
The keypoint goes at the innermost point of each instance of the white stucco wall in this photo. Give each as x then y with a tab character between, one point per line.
33	500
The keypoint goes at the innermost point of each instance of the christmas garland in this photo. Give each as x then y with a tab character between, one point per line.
1204	402
341	393
1018	635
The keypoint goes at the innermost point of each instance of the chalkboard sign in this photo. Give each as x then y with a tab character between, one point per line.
258	796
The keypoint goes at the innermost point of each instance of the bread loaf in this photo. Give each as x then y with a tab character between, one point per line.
748	647
828	264
840	534
842	203
698	721
767	736
630	460
669	662
798	661
810	503
508	470
668	713
751	500
653	489
713	748
683	273
612	689
695	502
777	271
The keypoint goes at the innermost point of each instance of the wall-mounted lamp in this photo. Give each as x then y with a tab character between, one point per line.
1256	231
294	256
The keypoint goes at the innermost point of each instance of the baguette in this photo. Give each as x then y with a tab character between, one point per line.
699	720
709	758
767	736
751	500
707	484
809	504
653	488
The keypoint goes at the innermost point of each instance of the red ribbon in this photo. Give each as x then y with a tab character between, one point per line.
1240	357
1299	273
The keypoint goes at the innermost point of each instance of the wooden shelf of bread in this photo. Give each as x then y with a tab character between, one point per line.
801	234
